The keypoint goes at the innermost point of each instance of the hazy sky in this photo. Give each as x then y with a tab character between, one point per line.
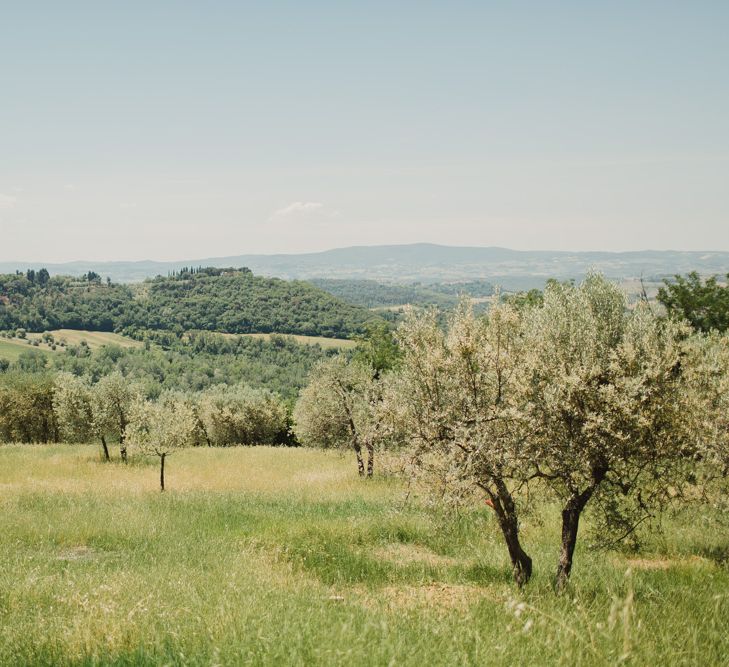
172	130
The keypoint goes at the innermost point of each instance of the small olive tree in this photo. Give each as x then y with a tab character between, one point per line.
609	405
339	409
161	428
458	402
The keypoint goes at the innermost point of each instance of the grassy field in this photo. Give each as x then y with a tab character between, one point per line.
282	556
11	348
94	339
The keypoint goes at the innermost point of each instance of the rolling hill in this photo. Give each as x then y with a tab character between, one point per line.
223	300
423	262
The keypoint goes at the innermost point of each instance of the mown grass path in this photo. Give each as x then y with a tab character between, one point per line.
280	556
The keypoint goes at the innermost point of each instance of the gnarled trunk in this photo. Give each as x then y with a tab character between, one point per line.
570	525
503	504
105	448
370	459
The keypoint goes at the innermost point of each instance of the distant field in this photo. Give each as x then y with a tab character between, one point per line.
339	343
276	556
13	347
94	339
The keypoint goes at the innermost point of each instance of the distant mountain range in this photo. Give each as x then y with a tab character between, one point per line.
422	262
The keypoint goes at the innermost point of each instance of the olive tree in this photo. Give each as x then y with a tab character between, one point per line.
112	398
609	406
459	403
26	408
160	428
240	415
338	409
72	405
707	371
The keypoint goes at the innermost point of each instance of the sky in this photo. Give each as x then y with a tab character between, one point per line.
174	130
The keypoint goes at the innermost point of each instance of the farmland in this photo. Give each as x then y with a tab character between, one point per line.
276	555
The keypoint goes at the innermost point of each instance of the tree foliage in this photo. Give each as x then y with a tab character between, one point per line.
459	404
161	427
702	303
240	415
225	300
607	400
26	408
338	409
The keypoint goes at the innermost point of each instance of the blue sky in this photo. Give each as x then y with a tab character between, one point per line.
173	130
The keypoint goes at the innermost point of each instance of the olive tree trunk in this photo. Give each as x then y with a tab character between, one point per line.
162	471
105	447
360	461
503	503
122	434
370	459
571	513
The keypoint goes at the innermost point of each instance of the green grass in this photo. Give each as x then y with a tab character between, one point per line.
11	348
282	556
94	339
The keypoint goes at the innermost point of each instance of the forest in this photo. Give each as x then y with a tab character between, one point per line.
224	300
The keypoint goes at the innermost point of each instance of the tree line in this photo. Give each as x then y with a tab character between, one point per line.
189	362
65	407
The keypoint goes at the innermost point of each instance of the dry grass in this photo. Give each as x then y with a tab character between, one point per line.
403	554
283	556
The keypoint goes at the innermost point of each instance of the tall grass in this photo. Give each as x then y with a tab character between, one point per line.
283	556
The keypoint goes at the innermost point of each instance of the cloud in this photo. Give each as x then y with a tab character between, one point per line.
297	208
7	201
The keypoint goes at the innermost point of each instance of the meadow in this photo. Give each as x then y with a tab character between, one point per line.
12	348
283	556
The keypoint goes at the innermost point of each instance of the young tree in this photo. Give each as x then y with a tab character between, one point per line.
609	406
338	408
161	428
112	398
458	401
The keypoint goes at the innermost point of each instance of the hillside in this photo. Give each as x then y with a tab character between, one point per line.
374	294
423	262
231	301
